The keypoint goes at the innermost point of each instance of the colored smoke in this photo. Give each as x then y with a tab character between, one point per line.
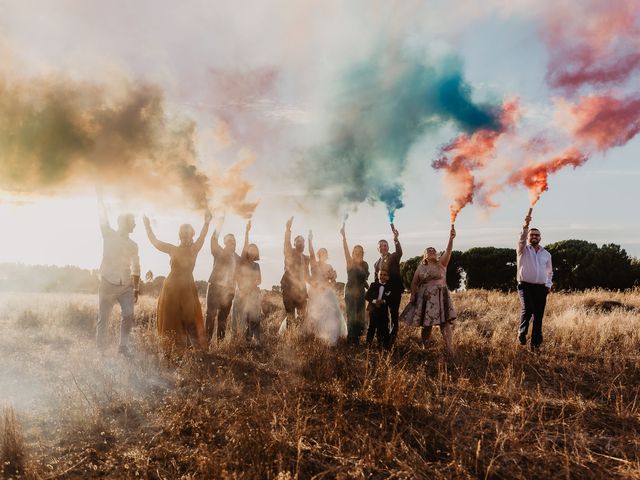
536	176
469	153
604	121
385	105
597	46
55	132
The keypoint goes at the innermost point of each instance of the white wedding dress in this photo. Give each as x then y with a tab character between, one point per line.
324	319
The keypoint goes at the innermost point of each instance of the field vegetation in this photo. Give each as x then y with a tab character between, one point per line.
295	408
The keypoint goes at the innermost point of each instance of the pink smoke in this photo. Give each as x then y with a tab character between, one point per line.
605	121
468	153
597	45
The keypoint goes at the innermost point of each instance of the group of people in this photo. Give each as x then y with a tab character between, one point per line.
308	288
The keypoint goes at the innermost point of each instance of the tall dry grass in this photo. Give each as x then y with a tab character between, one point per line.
295	408
12	450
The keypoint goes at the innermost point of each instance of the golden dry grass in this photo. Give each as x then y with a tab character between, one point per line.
295	408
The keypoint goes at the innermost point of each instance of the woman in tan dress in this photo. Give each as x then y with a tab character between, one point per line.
180	321
430	298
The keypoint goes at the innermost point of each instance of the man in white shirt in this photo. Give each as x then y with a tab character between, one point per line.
534	283
119	278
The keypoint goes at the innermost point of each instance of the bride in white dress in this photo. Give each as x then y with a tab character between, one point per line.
324	318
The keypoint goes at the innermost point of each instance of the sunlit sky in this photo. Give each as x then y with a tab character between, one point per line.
176	44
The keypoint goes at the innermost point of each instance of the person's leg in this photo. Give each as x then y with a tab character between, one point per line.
383	333
526	311
354	330
371	332
212	309
425	334
126	301
447	334
360	312
394	311
106	301
226	300
301	307
289	306
539	304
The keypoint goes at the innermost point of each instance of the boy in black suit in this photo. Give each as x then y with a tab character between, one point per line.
378	297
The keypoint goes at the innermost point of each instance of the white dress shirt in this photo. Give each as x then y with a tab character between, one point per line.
534	266
120	259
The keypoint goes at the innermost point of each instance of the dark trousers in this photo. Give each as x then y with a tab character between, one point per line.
394	311
378	327
533	299
219	300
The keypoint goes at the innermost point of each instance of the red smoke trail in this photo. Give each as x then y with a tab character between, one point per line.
467	153
597	46
605	121
535	177
598	49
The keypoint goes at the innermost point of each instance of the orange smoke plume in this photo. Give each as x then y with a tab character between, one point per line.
468	153
234	188
536	176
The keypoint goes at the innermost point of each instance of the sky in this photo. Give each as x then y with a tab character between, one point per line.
333	104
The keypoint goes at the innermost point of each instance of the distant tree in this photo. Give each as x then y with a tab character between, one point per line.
612	268
148	277
572	261
454	270
407	269
490	268
579	265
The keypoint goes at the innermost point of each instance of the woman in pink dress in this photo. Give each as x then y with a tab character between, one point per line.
430	298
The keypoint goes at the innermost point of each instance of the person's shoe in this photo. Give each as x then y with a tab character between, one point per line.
124	351
522	340
535	349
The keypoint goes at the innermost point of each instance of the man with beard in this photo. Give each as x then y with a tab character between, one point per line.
391	263
534	276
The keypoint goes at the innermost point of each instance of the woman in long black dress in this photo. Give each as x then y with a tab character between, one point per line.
355	289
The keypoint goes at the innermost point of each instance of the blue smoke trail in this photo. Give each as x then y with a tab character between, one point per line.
384	107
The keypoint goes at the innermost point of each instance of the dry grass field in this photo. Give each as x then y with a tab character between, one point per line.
295	408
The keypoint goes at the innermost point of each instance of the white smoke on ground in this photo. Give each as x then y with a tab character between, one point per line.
52	374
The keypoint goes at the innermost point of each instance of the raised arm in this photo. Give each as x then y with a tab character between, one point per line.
287	236
203	233
215	245
444	260
103	217
246	238
522	241
396	241
162	246
312	252
345	246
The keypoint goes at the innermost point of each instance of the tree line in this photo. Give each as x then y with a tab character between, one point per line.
577	265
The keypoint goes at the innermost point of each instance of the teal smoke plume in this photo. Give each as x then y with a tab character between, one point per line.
384	106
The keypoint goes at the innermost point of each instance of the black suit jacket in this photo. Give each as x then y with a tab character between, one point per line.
392	265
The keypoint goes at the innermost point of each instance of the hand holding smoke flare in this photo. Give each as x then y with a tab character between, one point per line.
527	219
